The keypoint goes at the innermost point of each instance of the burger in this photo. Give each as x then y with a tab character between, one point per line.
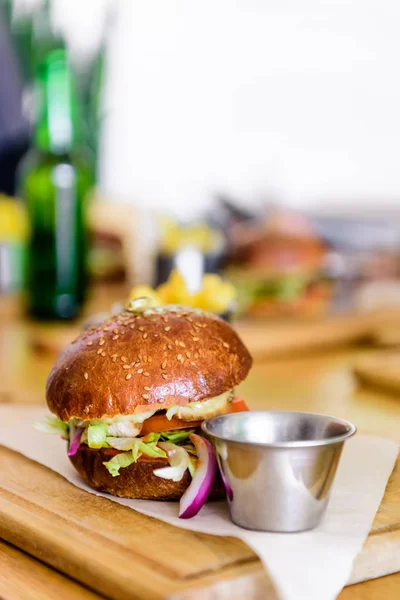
280	270
130	395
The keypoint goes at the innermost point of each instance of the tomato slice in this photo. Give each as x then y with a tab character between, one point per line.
238	405
158	423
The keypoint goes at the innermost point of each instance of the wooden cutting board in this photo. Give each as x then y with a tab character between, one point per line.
380	371
266	339
122	554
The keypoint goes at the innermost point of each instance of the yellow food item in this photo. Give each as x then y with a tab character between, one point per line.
174	291
216	295
145	291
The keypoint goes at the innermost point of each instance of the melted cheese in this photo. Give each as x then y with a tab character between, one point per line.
204	409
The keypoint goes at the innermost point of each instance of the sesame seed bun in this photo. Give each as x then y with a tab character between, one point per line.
137	480
138	362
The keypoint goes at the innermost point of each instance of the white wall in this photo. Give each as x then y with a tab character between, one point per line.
298	98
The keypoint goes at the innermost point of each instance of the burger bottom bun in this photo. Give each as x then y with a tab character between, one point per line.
136	481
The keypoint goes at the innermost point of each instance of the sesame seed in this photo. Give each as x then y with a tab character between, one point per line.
147	388
116	331
179	356
182	344
145	358
187	354
89	344
149	359
115	337
167	328
145	336
86	376
115	354
192	363
139	371
160	401
141	328
146	374
128	376
197	325
132	326
139	356
106	329
204	325
145	396
126	366
114	359
189	319
137	364
101	342
196	339
196	355
170	346
163	375
99	351
123	358
164	364
103	353
225	345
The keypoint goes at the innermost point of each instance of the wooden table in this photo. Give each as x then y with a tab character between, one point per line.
317	381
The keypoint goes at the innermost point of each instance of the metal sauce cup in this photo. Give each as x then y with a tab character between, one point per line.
278	466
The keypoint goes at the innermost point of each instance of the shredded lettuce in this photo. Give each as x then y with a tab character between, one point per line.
151	437
121	443
127	443
151	449
127	458
192	466
136	452
96	435
176	436
117	462
54	425
190	449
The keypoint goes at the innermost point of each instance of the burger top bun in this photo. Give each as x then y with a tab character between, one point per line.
145	361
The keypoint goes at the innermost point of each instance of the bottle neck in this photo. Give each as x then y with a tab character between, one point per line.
57	129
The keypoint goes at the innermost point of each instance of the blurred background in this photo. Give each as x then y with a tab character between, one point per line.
254	141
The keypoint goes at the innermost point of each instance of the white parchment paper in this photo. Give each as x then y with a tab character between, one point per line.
305	566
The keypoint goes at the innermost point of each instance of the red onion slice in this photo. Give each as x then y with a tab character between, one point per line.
222	452
178	459
75	441
228	489
197	493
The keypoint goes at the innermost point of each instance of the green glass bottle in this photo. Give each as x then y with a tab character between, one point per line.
54	182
